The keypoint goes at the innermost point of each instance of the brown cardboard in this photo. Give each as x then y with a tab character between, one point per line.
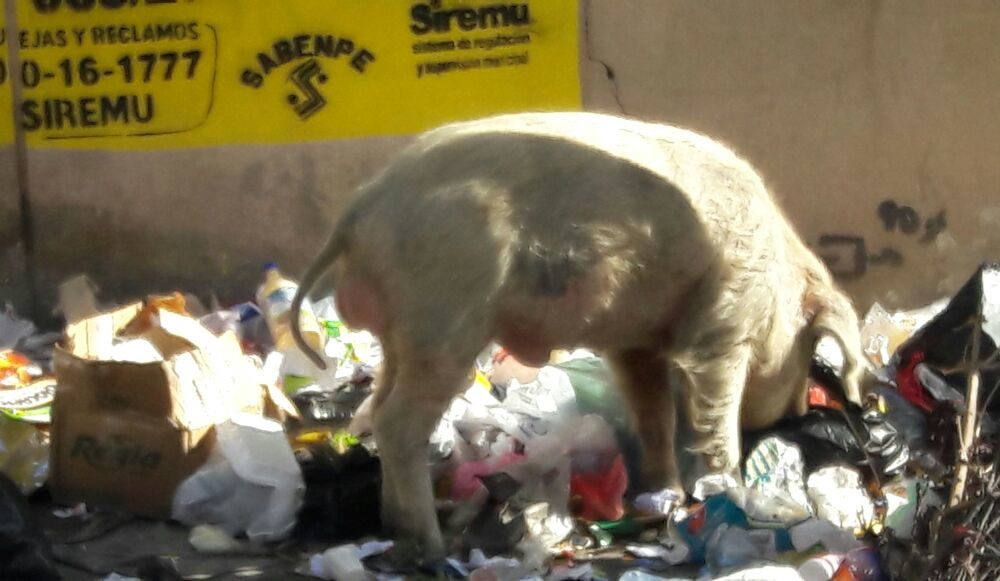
126	434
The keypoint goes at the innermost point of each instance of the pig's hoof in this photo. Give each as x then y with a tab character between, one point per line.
408	556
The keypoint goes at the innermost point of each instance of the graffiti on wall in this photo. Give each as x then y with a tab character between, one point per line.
851	256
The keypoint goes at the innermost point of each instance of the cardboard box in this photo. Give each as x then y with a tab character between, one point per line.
126	433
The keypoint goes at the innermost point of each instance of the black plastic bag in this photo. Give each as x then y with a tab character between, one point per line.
865	438
499	525
25	553
825	438
944	342
343	493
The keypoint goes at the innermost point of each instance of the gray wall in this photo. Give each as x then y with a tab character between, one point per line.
14	284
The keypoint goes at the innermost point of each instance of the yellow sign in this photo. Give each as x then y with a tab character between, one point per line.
6	97
145	74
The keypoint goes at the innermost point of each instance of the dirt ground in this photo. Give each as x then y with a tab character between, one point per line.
108	543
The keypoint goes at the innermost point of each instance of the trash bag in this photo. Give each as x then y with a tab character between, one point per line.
943	342
596	394
251	483
598	494
342	498
25	553
825	437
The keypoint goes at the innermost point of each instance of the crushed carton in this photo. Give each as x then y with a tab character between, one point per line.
136	405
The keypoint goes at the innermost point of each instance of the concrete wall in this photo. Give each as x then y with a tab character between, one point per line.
846	107
14	281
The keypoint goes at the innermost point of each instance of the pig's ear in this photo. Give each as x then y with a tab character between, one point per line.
834	316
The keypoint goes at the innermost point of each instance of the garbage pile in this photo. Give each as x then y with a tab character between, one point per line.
212	418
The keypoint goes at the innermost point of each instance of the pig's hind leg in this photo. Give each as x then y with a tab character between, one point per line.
392	497
427	378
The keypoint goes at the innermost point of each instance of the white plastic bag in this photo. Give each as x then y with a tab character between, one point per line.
251	482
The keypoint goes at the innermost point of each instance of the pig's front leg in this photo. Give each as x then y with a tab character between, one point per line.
714	385
643	378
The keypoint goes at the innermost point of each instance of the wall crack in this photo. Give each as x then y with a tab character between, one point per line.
609	72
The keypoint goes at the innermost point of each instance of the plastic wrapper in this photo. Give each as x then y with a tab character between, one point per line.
352	348
208	539
907	499
673	553
551	393
344	561
251	483
480	567
342	564
883	332
731	547
704	519
547	526
465	481
764	510
659	502
31	403
470	426
822	533
598	493
712	484
500	524
17	370
584	447
839	497
775	468
24	454
334	407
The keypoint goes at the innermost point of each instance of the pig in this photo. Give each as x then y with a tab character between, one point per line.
655	246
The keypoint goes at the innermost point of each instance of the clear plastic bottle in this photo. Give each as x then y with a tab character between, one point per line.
274	297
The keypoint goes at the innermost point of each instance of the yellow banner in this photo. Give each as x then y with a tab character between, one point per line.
146	74
6	97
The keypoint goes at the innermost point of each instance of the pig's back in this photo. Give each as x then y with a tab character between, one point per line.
590	151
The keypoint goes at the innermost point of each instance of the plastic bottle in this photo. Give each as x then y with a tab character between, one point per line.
821	568
274	297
